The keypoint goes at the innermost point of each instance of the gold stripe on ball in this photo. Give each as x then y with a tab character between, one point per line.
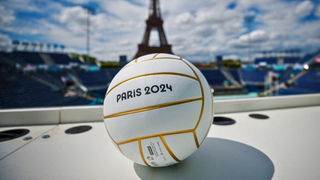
141	153
148	108
168	149
154	135
149	60
151	74
210	121
112	138
155	55
202	105
195	138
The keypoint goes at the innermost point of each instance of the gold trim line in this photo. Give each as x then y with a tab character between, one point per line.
136	62
210	121
202	94
196	138
154	135
168	149
112	138
141	153
148	108
151	74
155	56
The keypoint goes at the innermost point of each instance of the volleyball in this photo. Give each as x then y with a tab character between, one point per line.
158	110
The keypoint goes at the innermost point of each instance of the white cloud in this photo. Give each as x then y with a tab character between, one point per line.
304	9
78	1
257	36
6	16
5	42
184	20
75	18
232	56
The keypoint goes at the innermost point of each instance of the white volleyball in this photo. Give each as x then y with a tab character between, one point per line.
158	110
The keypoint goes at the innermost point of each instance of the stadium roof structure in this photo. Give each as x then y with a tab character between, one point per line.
273	138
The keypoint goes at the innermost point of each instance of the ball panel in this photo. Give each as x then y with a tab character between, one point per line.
147	91
205	122
182	145
148	56
130	63
156	121
131	151
155	153
163	55
152	66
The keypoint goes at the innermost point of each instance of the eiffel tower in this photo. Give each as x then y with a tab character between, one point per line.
154	22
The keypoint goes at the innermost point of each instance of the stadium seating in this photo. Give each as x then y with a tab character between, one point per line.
268	60
51	77
111	74
19	91
288	74
60	58
281	73
274	60
98	93
291	60
91	79
27	57
214	77
307	57
257	76
22	91
308	83
236	75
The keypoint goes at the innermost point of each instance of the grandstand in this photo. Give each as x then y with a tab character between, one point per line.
92	79
268	60
63	59
214	77
276	60
309	58
20	91
289	74
254	77
236	75
53	78
50	84
308	83
36	58
291	60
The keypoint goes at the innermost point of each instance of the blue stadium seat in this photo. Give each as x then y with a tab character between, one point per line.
236	75
306	84
91	79
214	77
268	60
257	76
60	58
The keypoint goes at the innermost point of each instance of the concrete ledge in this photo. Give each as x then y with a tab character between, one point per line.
34	116
76	114
265	103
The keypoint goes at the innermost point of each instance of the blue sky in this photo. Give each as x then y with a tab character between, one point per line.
198	30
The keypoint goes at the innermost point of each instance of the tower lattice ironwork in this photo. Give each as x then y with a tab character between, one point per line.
154	22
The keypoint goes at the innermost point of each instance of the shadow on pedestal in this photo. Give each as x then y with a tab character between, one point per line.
215	159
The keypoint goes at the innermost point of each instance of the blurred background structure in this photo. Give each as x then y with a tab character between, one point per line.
74	62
